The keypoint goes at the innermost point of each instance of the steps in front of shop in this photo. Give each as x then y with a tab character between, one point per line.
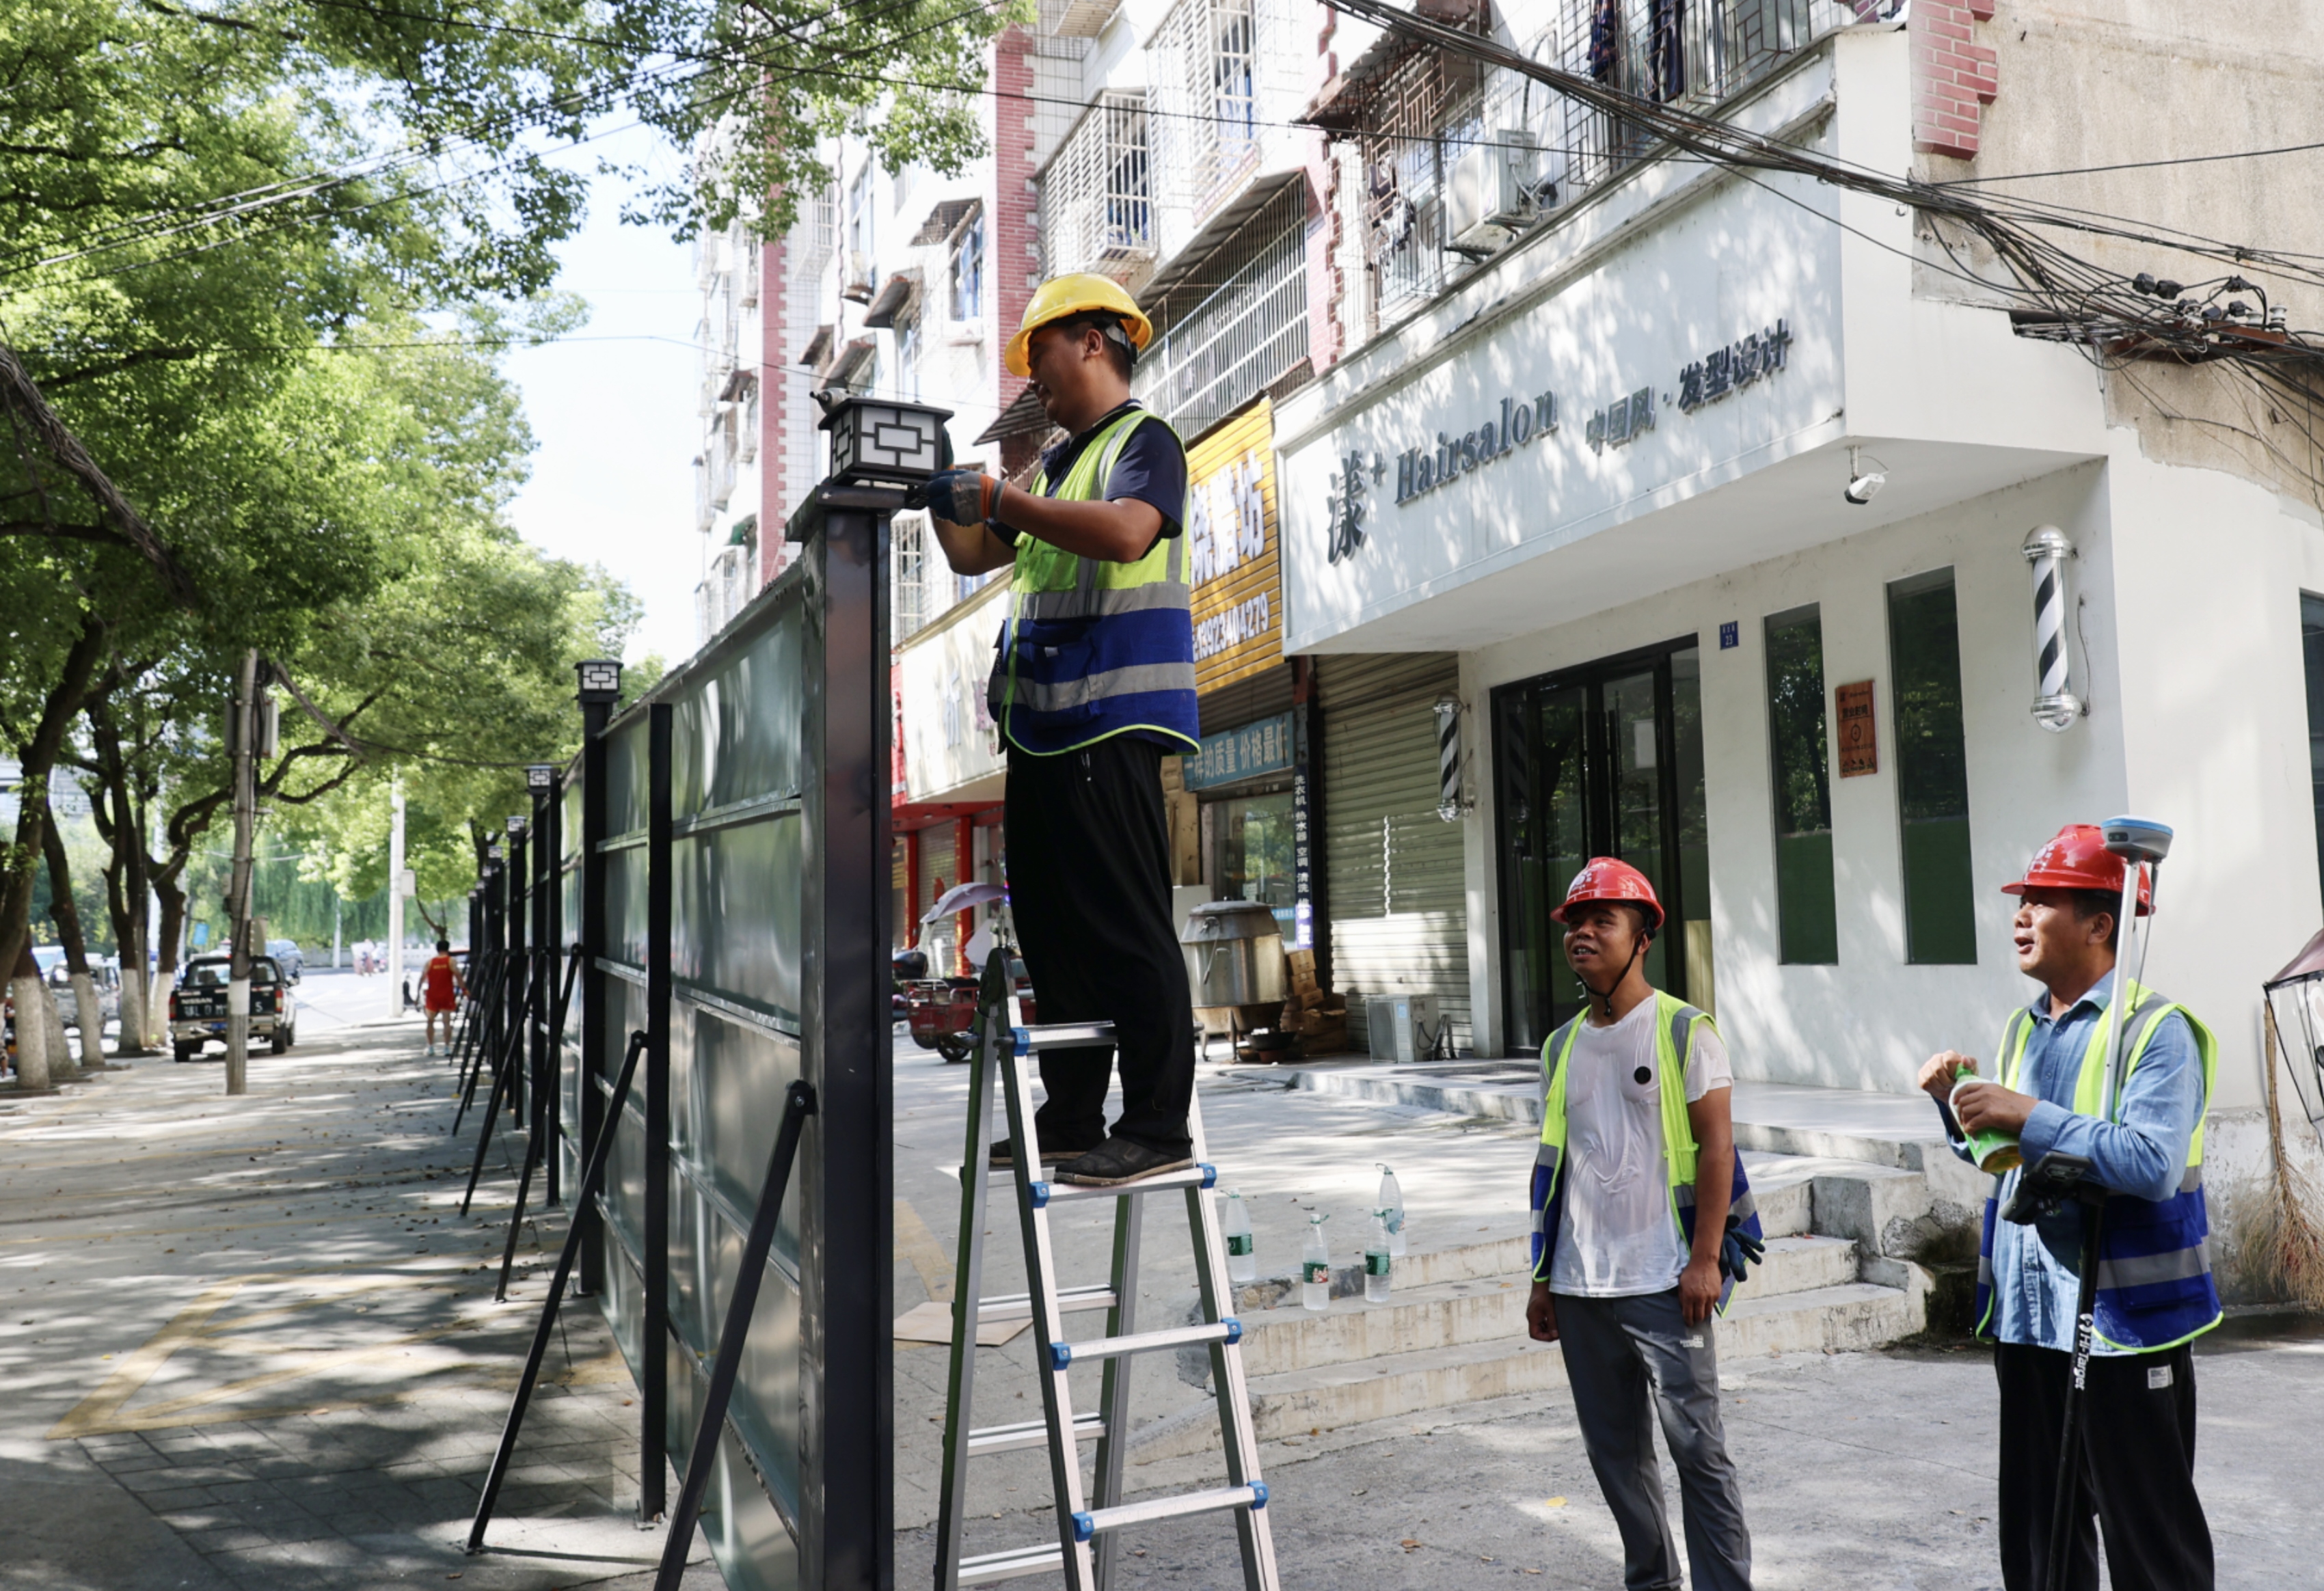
1454	1332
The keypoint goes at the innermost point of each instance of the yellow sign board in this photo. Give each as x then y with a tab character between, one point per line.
1233	549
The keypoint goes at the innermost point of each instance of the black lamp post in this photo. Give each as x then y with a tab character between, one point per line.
599	682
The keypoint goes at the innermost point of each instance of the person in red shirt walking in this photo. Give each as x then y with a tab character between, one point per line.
440	991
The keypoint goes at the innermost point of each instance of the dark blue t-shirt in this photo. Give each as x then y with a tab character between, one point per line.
1151	467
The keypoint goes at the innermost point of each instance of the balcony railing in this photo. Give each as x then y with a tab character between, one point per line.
1097	194
1239	323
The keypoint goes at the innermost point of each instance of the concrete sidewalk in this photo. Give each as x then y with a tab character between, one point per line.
1873	1471
253	1344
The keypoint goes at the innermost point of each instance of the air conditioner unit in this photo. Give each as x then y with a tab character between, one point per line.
1406	1028
1490	196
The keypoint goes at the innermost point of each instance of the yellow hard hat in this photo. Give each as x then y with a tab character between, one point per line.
1062	296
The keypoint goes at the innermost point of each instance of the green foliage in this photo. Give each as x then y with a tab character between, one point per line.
758	84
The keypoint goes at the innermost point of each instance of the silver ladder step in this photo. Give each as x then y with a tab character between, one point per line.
1031	1433
990	1567
1089	1514
1061	1353
1198	1175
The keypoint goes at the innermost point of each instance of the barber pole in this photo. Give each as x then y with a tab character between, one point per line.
2057	708
1448	759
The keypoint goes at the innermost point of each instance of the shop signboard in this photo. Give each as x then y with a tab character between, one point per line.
1486	475
951	747
1859	750
1251	751
1233	561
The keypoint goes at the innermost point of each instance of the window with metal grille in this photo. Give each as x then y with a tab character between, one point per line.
1234	325
1097	204
968	270
1418	118
1692	52
1207	63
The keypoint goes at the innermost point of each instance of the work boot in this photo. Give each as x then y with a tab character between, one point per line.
1117	1161
1004	1153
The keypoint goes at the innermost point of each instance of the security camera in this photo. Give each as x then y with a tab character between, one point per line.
1863	486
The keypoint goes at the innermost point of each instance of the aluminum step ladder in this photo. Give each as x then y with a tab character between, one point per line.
1087	1523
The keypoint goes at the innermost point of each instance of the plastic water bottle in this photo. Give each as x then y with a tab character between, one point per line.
1378	1261
1315	1267
1242	1248
1391	1210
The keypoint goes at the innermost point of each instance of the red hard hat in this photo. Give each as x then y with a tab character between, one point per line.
2078	858
1607	877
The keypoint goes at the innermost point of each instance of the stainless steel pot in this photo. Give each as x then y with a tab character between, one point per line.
1234	954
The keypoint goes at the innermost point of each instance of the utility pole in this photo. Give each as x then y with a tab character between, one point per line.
395	900
238	903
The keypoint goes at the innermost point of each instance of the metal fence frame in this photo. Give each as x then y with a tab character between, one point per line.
727	868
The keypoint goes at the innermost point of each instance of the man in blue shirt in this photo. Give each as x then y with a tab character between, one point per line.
2155	1292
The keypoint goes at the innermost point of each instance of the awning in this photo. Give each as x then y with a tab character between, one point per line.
1023	418
944	221
901	292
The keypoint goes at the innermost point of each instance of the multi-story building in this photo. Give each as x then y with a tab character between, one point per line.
1769	533
727	471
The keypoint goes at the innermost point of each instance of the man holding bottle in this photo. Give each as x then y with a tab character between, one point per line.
2155	1289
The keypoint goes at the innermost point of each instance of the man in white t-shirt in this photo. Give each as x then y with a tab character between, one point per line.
1643	1221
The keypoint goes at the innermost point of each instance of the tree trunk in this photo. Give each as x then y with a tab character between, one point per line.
37	755
31	1033
174	924
61	1068
117	822
88	1014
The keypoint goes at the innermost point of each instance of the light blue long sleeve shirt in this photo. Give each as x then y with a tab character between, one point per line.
2036	1269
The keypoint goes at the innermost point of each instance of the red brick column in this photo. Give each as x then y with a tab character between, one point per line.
1953	77
774	394
1012	232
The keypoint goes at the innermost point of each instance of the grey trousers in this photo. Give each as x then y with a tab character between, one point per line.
1620	1352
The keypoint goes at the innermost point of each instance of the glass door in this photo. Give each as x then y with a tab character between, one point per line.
1605	761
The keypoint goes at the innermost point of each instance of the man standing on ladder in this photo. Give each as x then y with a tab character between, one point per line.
1092	686
2155	1289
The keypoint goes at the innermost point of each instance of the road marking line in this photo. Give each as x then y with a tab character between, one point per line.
916	1244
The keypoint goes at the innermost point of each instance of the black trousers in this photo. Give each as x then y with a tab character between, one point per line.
1089	885
2138	1464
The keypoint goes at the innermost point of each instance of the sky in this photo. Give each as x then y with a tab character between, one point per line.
612	412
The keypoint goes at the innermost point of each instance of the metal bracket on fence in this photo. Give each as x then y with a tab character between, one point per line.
535	1150
799	1104
502	1075
591	1177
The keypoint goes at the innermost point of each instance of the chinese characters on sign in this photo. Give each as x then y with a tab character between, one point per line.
1245	753
1343	530
1303	890
1727	370
1858	751
1421	470
1233	561
1622	421
1226	522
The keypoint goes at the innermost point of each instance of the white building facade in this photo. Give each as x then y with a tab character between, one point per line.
1600	467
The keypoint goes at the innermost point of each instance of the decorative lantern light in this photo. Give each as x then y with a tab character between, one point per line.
875	441
540	776
600	679
516	822
2057	708
1449	804
493	852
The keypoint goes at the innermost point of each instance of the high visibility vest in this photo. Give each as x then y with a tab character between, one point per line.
1093	647
2154	1262
1675	1024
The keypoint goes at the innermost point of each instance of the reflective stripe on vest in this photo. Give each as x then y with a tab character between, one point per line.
1675	1028
2155	1285
1093	647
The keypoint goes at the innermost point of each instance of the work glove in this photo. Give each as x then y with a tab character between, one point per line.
1738	1252
964	497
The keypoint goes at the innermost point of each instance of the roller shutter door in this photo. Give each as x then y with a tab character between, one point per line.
1396	901
936	863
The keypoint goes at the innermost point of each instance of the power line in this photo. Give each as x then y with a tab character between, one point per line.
2239	154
